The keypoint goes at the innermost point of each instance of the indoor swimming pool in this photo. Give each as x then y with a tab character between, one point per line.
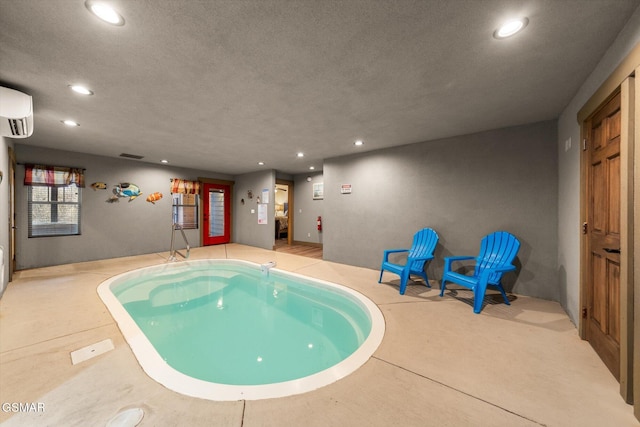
234	330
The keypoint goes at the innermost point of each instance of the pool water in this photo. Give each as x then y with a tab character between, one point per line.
234	325
226	322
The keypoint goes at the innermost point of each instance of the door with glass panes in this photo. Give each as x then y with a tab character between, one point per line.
216	214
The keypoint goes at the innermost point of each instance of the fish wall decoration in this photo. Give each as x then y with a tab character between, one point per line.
99	186
126	189
154	197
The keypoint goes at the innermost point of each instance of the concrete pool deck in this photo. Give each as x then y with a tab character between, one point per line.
438	364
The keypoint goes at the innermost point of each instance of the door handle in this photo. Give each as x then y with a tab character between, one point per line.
612	251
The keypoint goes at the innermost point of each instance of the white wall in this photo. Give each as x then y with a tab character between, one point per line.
569	168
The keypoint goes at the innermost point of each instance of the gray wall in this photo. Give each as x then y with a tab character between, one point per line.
108	230
464	188
246	229
5	143
307	210
569	168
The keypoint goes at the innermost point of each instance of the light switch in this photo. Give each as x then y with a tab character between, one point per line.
567	144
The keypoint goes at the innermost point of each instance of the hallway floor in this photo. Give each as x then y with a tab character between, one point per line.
308	251
438	365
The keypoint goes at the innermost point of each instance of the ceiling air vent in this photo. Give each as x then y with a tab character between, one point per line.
18	128
131	156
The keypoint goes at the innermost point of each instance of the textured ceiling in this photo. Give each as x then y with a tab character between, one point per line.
220	85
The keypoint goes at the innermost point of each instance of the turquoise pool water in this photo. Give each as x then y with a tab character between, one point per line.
228	323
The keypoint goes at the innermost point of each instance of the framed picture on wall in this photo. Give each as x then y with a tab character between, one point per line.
318	191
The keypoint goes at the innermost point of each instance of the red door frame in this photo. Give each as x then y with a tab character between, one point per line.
206	192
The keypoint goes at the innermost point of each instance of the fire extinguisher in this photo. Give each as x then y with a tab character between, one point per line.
319	223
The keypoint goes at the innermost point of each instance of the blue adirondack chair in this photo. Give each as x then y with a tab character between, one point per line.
424	243
497	252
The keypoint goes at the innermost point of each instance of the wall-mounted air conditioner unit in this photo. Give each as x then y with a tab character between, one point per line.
16	113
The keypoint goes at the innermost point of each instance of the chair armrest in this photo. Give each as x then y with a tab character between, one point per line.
450	259
385	257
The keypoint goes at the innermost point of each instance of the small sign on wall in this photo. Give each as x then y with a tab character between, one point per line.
262	213
318	191
345	189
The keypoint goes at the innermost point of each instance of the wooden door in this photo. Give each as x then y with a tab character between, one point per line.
603	233
216	214
12	213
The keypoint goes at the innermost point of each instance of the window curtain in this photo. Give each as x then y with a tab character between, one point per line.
52	176
184	186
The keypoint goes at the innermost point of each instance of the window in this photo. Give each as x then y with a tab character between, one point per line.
184	194
53	199
185	210
54	211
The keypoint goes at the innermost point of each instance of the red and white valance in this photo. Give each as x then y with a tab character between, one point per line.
184	186
52	176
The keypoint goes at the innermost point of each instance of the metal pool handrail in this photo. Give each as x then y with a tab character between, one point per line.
173	251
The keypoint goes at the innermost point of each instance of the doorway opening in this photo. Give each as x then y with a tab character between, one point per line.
283	206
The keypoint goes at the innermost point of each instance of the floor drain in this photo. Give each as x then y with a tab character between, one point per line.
129	418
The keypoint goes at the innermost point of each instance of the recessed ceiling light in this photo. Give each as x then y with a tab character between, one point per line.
164	161
359	142
300	154
105	12
312	168
70	123
261	163
510	28
81	90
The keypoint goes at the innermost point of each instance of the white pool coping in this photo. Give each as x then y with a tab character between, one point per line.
153	364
